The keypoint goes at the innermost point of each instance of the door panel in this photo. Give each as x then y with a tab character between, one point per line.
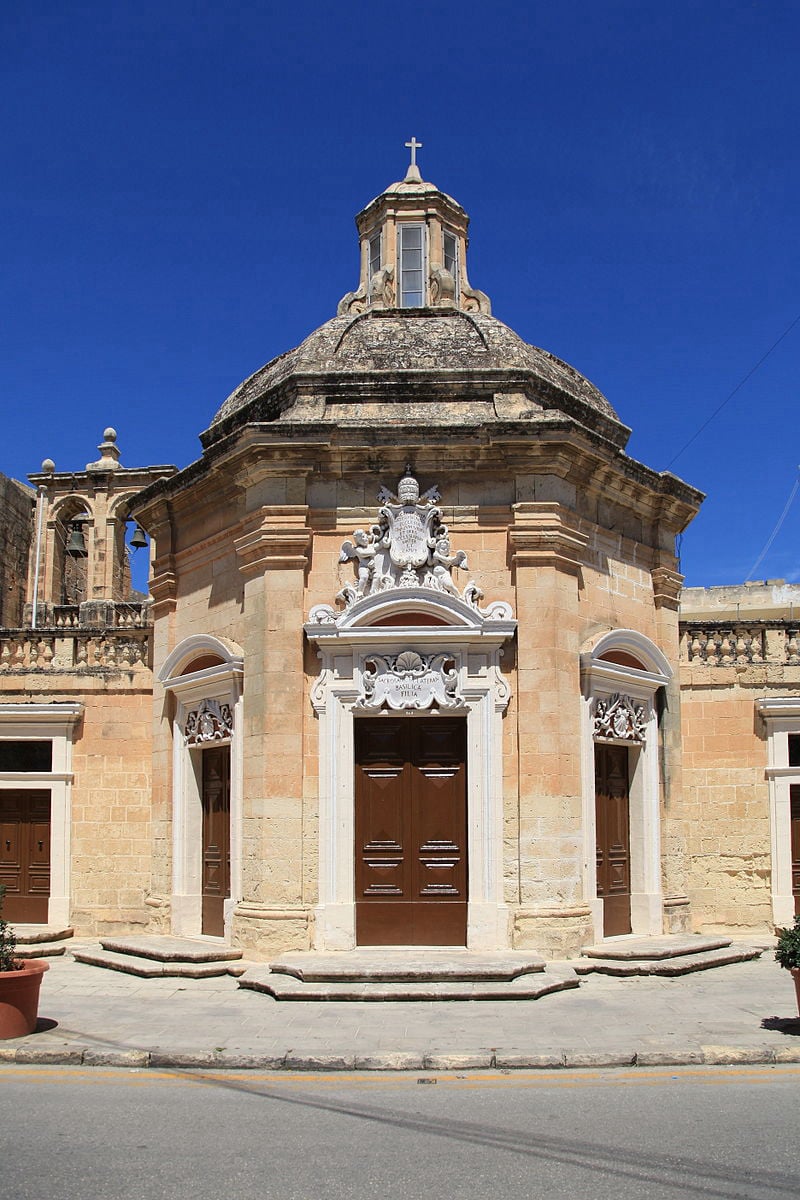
613	837
411	831
25	855
216	838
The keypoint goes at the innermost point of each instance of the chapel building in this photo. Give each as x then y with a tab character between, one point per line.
412	671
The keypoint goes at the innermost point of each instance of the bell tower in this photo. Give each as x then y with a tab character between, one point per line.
413	241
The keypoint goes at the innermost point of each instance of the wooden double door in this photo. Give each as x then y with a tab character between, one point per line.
411	831
216	798
612	814
25	855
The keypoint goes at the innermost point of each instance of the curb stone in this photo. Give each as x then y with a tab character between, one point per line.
599	1059
669	1058
521	1062
116	1058
459	1062
734	1055
399	1061
51	1055
787	1054
319	1062
81	1055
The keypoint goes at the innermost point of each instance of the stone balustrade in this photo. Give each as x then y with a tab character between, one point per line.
728	644
69	649
93	614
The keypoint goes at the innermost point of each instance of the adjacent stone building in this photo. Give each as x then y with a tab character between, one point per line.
412	671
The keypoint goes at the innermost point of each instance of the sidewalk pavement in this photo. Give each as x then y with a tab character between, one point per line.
744	1013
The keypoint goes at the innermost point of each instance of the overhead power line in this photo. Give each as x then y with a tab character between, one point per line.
777	528
739	385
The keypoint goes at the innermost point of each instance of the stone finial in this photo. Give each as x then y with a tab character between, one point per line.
109	452
48	466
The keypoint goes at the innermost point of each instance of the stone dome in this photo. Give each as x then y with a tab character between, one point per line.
408	349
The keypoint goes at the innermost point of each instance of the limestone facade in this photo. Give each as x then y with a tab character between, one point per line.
740	683
414	513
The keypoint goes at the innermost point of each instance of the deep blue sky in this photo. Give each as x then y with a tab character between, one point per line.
180	181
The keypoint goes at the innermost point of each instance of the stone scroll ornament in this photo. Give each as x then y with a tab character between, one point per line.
408	547
211	722
619	717
409	681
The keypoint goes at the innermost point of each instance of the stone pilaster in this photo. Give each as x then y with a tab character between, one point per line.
273	546
546	548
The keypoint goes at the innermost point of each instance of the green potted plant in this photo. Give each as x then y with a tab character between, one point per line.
19	984
787	953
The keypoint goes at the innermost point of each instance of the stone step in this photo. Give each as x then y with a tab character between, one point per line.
682	964
152	968
407	966
524	987
171	949
29	935
670	946
40	949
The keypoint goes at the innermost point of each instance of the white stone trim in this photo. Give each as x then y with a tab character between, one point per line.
222	682
473	640
781	716
54	723
600	679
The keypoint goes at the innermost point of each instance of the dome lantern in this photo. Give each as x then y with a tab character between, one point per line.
413	241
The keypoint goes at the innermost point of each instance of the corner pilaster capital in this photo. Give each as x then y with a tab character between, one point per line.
667	584
544	534
274	539
164	586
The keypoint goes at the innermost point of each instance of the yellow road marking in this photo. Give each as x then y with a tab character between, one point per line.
464	1081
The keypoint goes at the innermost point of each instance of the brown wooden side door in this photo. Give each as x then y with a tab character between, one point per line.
216	885
794	812
411	832
613	837
25	855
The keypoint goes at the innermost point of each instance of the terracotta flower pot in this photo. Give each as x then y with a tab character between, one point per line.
19	998
795	973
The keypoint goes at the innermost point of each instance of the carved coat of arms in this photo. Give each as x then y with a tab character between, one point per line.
409	546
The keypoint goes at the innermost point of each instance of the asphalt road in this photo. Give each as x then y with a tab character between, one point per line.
76	1134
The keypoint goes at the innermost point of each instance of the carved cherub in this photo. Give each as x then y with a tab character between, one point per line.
363	549
442	563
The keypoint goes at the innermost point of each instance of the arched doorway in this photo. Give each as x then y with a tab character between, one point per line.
621	676
204	676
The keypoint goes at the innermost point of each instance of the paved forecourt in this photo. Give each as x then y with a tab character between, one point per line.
742	1013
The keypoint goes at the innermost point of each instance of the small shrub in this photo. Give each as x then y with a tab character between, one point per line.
787	952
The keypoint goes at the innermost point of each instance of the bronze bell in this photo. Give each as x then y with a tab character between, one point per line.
76	546
139	539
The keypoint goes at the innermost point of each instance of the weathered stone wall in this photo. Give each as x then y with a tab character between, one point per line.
727	805
16	536
111	837
110	795
739	645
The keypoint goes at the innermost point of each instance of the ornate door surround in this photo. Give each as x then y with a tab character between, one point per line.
208	712
619	707
411	650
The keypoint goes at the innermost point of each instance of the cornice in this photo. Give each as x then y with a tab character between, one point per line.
274	539
543	535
